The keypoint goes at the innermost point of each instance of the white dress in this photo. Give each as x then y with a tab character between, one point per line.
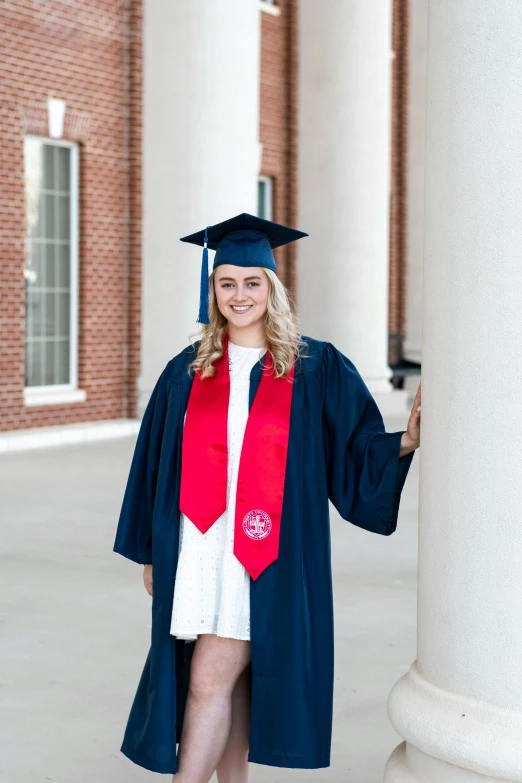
212	588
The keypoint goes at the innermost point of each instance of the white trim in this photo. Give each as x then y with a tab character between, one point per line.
74	244
74	248
46	437
52	395
269	8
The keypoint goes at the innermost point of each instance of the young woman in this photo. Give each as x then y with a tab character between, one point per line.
248	433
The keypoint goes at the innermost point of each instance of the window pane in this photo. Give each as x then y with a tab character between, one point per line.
33	184
36	227
63	168
36	260
63	315
29	328
62	361
63	228
48	157
50	320
33	316
261	199
264	197
50	230
28	364
63	266
49	277
35	305
34	364
49	373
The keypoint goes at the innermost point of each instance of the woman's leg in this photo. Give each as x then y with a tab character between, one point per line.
216	666
233	765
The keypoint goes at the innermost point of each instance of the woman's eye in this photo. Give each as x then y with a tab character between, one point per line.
252	282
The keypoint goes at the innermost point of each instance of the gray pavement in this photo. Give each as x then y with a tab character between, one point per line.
76	624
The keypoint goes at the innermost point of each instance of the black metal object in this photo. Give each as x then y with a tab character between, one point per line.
400	366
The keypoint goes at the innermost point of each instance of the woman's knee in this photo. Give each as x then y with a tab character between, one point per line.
205	684
217	666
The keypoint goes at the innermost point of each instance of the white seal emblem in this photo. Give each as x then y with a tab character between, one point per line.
257	524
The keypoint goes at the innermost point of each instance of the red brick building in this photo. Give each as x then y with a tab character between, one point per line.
71	106
70	262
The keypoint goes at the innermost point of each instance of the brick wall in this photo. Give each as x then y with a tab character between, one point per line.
278	120
398	181
88	54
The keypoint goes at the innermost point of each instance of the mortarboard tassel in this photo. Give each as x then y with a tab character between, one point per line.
203	288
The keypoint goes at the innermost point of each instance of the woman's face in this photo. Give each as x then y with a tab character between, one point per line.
241	293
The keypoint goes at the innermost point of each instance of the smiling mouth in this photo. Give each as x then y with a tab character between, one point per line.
243	309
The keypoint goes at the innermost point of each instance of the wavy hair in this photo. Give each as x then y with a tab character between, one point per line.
282	337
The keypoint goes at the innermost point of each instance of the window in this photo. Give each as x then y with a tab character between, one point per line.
264	197
51	270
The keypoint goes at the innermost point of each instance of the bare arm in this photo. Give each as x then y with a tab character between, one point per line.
147	578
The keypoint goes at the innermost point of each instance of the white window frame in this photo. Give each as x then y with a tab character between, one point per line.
56	394
269	182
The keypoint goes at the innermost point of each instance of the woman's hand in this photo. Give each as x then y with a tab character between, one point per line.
411	438
147	578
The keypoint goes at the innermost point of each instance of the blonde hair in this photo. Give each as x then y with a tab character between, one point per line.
281	333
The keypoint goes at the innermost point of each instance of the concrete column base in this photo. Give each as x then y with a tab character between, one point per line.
408	764
451	737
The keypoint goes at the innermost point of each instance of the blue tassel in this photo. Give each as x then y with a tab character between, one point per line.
203	288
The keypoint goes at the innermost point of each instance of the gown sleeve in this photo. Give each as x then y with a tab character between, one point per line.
134	530
365	474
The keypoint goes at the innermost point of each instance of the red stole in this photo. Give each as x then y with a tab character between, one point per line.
262	464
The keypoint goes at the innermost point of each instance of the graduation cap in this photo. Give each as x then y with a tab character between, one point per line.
244	240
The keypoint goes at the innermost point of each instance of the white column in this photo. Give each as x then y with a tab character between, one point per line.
344	179
417	48
201	119
459	707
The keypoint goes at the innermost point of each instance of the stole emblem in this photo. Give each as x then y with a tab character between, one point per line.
257	524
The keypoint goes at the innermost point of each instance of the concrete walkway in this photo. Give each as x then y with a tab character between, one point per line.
76	624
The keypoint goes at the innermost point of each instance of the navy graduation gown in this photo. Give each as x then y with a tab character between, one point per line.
339	450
